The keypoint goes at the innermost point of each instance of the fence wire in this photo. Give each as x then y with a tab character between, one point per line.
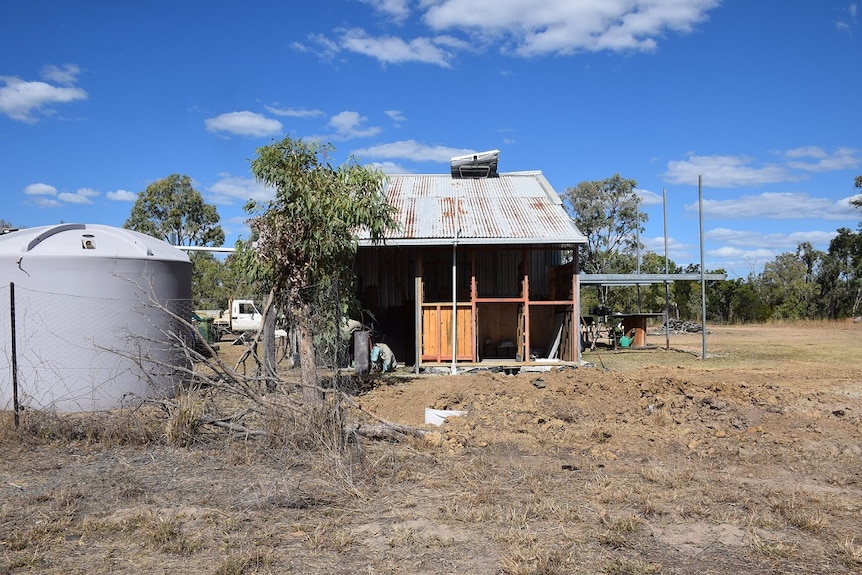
77	353
85	353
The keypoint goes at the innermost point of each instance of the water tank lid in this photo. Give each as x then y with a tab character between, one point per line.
87	240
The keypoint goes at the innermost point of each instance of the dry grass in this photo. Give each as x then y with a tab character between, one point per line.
748	463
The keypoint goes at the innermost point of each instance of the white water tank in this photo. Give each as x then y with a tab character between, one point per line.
91	333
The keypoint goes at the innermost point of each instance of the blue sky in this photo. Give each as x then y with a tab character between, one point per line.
762	99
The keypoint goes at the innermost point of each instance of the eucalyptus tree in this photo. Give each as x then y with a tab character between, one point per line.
307	234
607	213
840	276
173	210
788	287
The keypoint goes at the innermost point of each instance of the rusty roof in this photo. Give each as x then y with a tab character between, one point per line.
512	208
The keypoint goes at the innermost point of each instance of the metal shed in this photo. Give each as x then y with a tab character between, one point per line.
500	250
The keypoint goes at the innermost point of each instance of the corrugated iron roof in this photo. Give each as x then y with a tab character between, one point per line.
513	208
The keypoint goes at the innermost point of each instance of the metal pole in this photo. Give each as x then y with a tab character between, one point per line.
638	247
702	268
666	273
454	369
15	405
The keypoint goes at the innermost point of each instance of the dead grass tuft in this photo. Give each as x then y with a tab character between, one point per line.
240	564
535	559
772	549
623	566
118	427
849	553
184	419
618	531
329	534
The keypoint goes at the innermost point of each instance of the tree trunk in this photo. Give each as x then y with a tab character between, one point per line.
268	336
269	361
308	369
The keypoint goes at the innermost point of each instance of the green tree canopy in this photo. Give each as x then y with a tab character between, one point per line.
607	213
840	275
788	285
307	234
172	210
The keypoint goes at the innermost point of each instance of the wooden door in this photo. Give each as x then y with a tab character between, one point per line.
437	332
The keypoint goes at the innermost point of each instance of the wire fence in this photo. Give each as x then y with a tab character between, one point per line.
76	353
83	353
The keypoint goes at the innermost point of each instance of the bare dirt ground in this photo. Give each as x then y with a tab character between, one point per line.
653	461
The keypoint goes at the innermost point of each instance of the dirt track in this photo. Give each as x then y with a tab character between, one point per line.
653	461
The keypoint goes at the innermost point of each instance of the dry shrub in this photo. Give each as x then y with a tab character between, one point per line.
316	435
668	478
315	427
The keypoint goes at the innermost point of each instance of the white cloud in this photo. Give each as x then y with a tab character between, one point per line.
818	160
397	10
649	198
395	50
395	115
391	168
40	189
564	27
46	196
522	28
844	204
677	252
21	100
776	206
753	239
851	22
244	124
319	44
81	196
411	150
66	75
294	112
725	172
231	189
745	251
349	125
47	203
122	196
741	171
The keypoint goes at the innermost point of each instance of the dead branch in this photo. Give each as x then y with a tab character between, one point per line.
209	370
384	429
236	428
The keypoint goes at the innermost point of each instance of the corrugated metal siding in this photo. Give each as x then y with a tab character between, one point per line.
512	208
